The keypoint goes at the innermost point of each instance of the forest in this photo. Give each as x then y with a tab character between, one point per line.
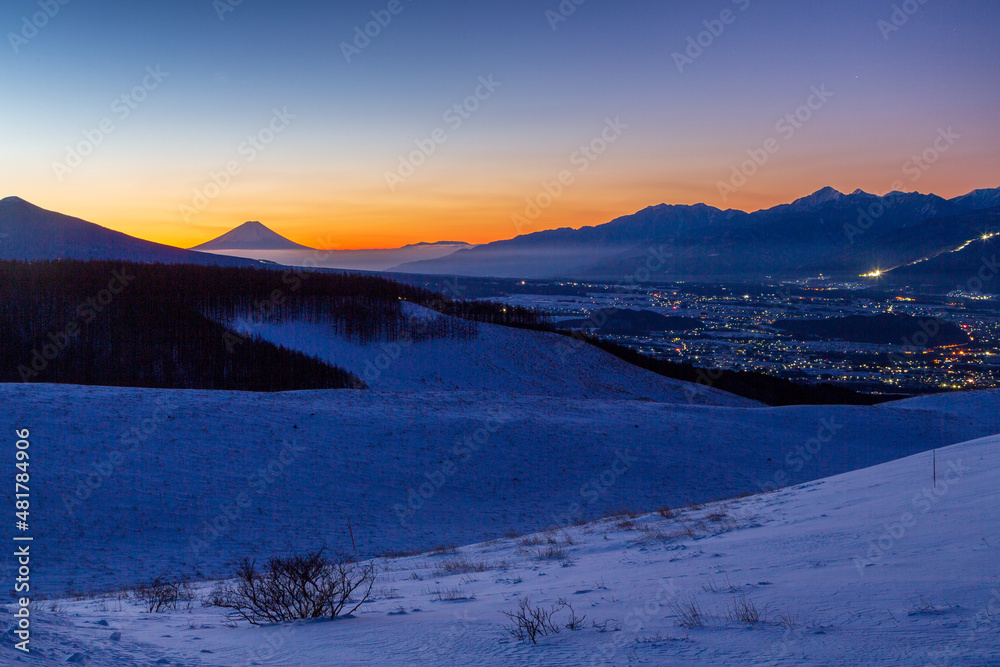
164	325
157	325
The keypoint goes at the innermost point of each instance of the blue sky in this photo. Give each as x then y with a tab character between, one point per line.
326	173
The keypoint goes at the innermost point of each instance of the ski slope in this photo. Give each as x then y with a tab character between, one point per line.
875	567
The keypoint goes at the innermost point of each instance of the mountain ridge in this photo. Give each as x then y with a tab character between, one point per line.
825	232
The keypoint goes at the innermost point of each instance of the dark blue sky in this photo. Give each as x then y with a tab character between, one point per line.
330	170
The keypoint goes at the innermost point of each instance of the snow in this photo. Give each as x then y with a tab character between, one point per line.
932	597
498	359
206	477
468	441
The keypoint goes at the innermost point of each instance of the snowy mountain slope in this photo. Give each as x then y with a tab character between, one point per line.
930	597
132	483
499	359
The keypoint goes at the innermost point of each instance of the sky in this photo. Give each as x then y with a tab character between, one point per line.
336	124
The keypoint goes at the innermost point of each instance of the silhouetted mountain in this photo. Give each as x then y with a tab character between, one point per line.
826	232
250	236
30	233
972	268
253	240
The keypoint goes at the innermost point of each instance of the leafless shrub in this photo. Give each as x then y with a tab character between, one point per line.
693	529
688	613
387	593
531	541
922	606
444	550
788	619
610	625
744	610
574	622
454	594
527	622
666	512
462	565
404	553
725	587
625	524
162	594
296	587
551	552
652	534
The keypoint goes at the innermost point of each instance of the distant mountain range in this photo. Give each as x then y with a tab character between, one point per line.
828	232
900	237
254	240
30	233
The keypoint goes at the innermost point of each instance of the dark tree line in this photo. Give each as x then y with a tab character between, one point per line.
155	325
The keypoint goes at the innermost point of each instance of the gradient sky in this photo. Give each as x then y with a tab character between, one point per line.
322	181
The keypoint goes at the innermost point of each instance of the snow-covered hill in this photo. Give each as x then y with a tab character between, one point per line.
130	483
497	359
873	567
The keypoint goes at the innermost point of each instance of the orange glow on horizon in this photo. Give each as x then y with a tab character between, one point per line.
364	216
